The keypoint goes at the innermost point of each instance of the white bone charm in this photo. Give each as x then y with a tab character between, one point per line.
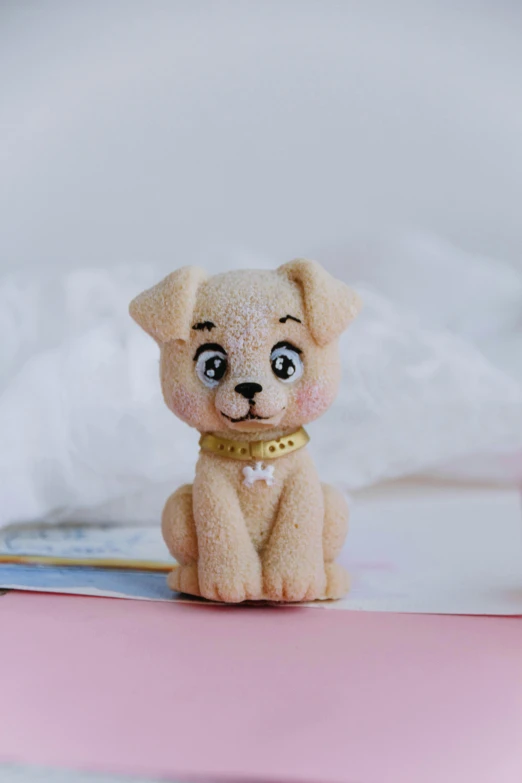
258	473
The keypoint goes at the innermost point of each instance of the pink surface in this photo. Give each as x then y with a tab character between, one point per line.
296	694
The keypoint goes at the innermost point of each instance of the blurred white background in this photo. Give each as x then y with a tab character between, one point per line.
148	130
383	139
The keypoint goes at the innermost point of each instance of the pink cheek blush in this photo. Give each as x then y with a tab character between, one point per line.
313	398
185	404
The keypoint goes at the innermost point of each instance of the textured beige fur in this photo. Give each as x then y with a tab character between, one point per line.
235	542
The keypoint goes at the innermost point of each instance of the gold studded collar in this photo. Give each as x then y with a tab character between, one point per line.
254	450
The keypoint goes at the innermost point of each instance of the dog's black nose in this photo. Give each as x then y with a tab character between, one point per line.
248	389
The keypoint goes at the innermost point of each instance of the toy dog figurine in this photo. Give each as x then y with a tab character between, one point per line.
247	358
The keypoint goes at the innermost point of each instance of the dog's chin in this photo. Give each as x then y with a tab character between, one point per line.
252	425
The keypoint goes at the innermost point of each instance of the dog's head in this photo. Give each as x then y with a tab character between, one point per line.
248	351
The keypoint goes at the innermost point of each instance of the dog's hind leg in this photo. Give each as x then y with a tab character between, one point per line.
179	532
334	533
178	528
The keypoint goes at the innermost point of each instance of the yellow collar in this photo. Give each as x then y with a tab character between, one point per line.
254	450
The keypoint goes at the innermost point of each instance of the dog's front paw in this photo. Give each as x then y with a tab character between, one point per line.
232	586
293	582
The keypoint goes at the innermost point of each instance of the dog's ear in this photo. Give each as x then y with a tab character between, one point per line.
165	310
329	304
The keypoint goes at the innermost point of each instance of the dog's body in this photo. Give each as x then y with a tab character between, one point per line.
252	356
237	542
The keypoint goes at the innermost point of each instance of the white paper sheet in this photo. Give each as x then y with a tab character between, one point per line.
28	774
410	549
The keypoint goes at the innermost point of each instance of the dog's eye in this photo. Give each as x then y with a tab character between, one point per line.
286	363
211	366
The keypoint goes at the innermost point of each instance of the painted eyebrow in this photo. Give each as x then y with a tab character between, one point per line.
286	344
204	325
209	347
285	318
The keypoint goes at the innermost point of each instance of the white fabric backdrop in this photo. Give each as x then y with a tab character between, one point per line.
428	381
